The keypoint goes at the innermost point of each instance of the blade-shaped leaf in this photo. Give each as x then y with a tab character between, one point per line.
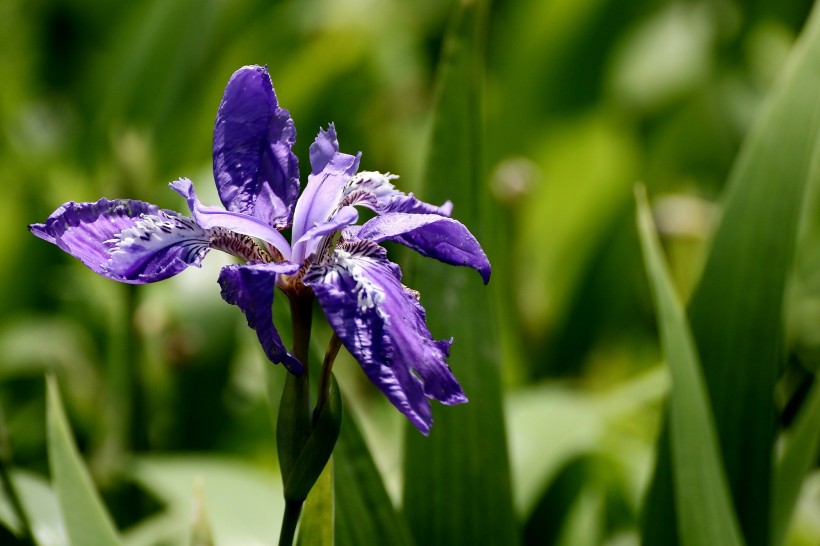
736	311
365	514
85	516
41	506
702	501
457	481
799	456
316	526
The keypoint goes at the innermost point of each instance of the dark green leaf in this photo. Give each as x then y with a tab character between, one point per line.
457	482
702	501
736	311
316	452
364	511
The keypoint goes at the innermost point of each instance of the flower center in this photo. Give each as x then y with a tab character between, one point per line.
236	244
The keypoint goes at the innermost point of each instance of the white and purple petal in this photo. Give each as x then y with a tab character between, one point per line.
216	217
255	170
383	326
126	240
250	287
375	191
323	193
430	235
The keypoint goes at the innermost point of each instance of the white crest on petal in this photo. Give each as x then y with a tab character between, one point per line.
152	233
346	262
369	186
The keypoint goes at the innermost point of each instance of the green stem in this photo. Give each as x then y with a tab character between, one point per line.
292	511
301	313
294	423
26	534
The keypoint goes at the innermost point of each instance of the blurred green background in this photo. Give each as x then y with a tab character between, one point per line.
582	98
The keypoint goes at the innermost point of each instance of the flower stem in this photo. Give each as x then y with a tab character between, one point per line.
294	423
292	511
301	313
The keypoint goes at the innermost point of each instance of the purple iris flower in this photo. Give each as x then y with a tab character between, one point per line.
378	319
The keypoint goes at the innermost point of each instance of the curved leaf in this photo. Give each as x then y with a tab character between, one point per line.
85	516
702	500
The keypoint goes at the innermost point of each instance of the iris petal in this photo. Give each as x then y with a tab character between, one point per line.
323	193
430	235
250	287
212	217
255	170
383	326
375	191
126	240
307	243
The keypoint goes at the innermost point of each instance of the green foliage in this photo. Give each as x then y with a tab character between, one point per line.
703	505
467	445
740	338
86	520
535	119
364	512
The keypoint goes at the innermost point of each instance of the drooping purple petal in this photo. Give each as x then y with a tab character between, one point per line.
375	191
255	170
126	240
250	287
430	235
212	217
383	326
331	171
308	242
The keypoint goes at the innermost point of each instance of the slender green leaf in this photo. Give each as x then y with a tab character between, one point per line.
736	311
316	526
85	516
702	500
584	523
799	455
41	506
365	513
457	481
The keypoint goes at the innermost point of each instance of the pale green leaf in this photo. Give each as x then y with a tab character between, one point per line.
736	311
86	519
702	500
799	456
316	526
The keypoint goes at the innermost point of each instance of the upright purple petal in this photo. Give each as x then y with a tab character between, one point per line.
310	240
212	217
323	193
430	235
125	240
255	170
383	326
323	149
250	287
